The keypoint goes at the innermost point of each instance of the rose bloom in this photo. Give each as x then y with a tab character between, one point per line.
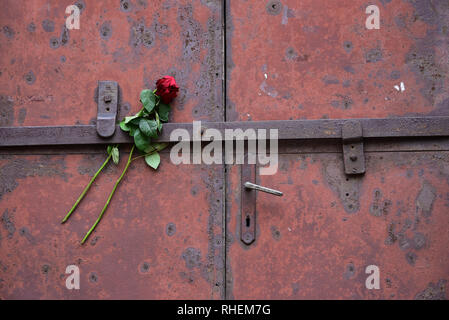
167	89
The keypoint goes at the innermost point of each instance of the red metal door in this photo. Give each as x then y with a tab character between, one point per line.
310	59
150	244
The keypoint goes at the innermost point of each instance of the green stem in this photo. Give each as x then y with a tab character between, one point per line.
86	189
110	197
149	153
146	154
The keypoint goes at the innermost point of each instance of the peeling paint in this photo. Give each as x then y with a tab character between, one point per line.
19	168
347	189
192	258
8	223
170	229
9	32
106	30
425	200
380	207
435	291
269	90
6	111
48	25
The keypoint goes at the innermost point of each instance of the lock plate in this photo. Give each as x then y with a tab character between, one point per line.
248	205
107	108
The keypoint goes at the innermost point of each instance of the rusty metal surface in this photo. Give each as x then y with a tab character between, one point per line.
44	85
146	247
286	60
308	59
150	245
417	127
316	241
314	59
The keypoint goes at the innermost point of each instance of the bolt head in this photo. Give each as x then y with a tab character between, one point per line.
247	237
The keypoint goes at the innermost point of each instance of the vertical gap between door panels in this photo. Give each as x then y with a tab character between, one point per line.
224	17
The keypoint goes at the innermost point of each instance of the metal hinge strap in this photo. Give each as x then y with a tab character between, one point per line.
353	155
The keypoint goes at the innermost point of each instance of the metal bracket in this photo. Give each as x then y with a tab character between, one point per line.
353	155
248	205
107	108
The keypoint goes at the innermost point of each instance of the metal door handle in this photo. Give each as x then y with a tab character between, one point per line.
249	185
248	217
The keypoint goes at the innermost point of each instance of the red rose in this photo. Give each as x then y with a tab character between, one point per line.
167	89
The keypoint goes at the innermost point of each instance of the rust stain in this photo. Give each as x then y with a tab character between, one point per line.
379	207
435	291
6	111
425	200
16	169
347	188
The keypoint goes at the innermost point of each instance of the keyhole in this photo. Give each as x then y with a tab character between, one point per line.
248	221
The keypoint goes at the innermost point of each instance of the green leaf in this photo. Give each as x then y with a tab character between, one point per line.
158	146
159	124
135	121
132	130
164	111
142	142
109	149
148	99
124	127
115	155
148	127
153	160
128	119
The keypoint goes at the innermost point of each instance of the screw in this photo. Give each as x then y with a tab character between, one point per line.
353	158
247	237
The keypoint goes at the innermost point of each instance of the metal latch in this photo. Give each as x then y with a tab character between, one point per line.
353	155
107	108
248	202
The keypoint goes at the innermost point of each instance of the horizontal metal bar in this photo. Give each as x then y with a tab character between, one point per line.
287	130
